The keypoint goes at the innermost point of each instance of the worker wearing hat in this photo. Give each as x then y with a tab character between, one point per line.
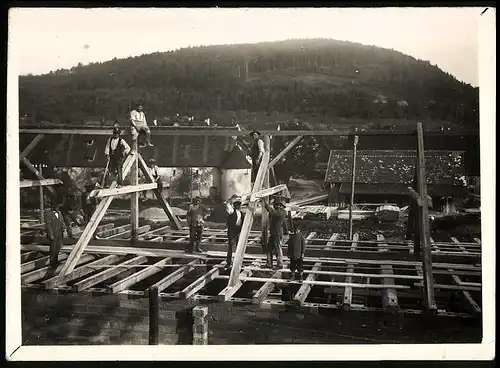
153	168
116	150
234	222
256	153
54	226
278	229
195	219
89	203
139	125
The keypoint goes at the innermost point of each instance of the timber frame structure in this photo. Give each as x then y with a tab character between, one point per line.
350	268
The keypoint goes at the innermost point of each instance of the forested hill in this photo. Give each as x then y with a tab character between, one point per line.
318	79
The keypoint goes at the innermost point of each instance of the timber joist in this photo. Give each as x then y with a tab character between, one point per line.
350	282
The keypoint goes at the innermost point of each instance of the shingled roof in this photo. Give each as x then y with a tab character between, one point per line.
395	167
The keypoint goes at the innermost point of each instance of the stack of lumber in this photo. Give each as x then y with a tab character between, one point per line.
315	213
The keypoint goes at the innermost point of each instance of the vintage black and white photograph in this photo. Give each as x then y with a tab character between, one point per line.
250	176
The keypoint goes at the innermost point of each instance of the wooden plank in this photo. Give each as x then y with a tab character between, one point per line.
199	283
265	289
331	241
138	276
264	217
229	291
346	304
30	147
282	154
41	273
93	223
113	231
301	295
39	183
106	274
40	262
134	198
389	296
175	276
32	168
355	240
247	223
80	271
101	193
306	201
455	240
159	231
128	234
251	197
424	222
29	256
450	287
353	180
327	283
175	223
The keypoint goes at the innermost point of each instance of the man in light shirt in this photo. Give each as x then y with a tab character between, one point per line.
234	222
257	152
138	121
116	150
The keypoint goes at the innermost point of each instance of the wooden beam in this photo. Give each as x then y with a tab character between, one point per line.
175	276
105	234
32	168
301	295
159	231
265	289
199	283
29	256
282	154
106	274
41	198
30	147
80	271
346	304
128	234
40	262
412	192
389	296
247	223
134	198
331	241
310	200
229	291
138	276
101	193
424	222
175	223
228	132
353	181
43	272
328	283
93	223
38	183
264	217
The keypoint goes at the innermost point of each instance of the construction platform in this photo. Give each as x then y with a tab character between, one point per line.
375	275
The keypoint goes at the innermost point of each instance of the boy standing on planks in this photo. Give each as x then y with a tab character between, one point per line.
54	225
196	223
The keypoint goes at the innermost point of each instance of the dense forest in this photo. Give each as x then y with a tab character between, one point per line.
320	77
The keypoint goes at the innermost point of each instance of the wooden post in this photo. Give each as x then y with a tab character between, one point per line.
265	185
154	316
353	179
424	227
40	191
134	199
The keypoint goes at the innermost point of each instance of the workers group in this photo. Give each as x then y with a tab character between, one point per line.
57	218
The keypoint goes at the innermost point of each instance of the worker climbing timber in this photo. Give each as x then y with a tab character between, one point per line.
116	150
138	121
257	152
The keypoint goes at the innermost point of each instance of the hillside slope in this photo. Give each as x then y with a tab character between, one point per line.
317	80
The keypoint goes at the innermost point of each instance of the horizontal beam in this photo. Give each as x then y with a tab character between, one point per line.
175	276
262	193
228	132
39	183
48	271
101	193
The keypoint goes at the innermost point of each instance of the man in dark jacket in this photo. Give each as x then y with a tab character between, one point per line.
234	222
296	250
54	225
278	229
196	222
89	203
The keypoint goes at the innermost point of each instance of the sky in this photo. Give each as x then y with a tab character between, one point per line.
50	39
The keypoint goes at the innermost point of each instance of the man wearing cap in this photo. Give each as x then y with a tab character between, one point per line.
54	226
196	223
234	222
138	121
278	229
116	150
257	151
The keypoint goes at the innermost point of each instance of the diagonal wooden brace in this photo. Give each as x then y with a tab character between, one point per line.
163	202
285	151
89	230
247	223
32	168
30	147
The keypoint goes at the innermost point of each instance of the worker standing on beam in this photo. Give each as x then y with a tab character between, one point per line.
278	229
257	152
196	223
138	121
54	226
116	150
234	222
